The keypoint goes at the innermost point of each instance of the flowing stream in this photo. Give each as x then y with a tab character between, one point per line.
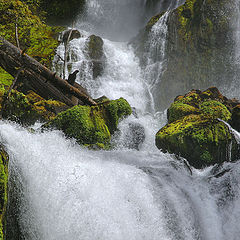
69	192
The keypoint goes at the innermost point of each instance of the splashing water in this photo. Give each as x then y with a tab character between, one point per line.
72	193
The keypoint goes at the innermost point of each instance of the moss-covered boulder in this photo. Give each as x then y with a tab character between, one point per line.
92	126
196	129
3	190
27	109
95	52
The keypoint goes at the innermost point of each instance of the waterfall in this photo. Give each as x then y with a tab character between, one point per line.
70	192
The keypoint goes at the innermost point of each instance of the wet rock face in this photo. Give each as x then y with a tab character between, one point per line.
96	54
195	129
199	48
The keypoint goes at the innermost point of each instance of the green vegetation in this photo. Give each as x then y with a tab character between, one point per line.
39	39
3	190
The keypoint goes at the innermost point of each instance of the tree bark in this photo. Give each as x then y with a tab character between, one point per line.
44	82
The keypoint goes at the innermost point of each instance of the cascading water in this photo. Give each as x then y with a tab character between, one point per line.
154	56
68	192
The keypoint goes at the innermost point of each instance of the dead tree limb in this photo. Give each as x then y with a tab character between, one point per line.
11	58
16	33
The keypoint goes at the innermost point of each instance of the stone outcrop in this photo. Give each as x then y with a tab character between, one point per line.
199	48
197	131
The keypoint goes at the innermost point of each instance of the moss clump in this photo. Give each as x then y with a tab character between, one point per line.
27	109
116	110
195	132
3	190
92	126
5	79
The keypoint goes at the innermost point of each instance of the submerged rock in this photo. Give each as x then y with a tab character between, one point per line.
96	54
92	126
196	129
135	136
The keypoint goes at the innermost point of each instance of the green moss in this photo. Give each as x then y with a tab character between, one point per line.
193	136
85	124
92	126
214	109
27	109
194	130
5	79
178	110
116	110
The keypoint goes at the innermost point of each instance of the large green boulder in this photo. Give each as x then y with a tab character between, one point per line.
197	131
92	126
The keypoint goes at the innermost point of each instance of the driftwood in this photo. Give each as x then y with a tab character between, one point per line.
46	83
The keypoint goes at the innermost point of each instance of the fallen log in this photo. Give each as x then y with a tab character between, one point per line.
44	82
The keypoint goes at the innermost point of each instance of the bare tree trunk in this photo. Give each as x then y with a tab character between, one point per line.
45	82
